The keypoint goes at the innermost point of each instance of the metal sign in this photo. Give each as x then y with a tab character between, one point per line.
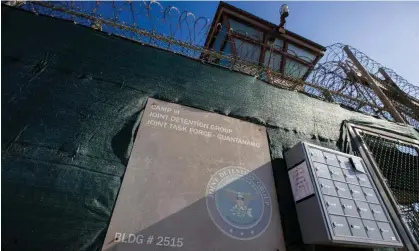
196	180
300	180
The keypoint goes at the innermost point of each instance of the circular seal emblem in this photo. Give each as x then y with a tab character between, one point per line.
238	203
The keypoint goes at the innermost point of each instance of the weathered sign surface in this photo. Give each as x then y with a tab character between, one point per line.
300	180
196	181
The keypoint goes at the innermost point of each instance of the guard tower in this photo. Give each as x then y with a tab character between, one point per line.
247	37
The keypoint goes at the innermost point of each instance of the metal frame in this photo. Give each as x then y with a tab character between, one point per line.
262	43
320	200
389	201
372	83
226	11
263	25
410	102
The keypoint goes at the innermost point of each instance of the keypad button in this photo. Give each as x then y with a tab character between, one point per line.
327	187
321	170
349	207
336	173
340	225
386	231
363	180
364	210
333	205
377	212
343	190
317	155
356	192
370	195
350	176
345	162
331	159
357	227
372	230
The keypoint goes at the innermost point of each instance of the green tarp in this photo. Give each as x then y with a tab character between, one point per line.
71	102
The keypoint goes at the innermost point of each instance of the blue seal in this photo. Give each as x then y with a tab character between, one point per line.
238	203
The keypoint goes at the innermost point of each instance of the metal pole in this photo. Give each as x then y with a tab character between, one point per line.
401	93
387	104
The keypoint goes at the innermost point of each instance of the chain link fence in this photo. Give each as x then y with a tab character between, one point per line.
398	162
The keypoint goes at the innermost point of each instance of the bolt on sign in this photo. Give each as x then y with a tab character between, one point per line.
196	181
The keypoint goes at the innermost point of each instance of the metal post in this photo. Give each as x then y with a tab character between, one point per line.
406	100
387	104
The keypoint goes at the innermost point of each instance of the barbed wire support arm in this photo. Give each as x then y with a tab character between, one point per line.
408	102
387	104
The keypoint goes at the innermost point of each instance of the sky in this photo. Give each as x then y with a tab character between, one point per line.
388	32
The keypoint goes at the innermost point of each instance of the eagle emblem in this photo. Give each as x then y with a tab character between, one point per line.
241	201
238	203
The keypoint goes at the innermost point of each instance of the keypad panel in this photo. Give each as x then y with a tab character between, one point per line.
349	197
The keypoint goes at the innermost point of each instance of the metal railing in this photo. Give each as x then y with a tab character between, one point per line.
334	79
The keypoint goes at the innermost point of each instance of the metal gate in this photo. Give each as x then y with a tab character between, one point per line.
394	162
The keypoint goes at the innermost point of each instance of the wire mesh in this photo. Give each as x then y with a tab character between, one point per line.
398	162
338	73
334	79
